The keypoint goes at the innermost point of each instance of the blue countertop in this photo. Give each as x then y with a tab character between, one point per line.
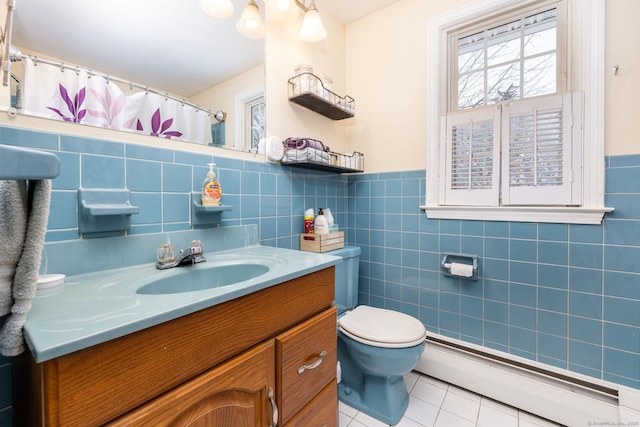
92	308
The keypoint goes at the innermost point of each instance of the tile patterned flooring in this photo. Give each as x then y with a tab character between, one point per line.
434	403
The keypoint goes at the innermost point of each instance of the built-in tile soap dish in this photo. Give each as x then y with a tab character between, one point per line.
104	212
205	216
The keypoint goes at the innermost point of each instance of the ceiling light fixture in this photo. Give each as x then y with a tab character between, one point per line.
312	29
217	8
250	24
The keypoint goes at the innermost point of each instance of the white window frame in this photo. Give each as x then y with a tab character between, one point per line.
586	67
243	123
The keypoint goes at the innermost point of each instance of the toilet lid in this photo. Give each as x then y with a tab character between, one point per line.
382	328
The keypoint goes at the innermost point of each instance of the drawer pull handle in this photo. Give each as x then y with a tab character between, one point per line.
274	407
313	365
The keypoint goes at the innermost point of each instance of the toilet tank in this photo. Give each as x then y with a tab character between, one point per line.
347	273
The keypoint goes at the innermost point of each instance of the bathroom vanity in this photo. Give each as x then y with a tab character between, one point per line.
227	365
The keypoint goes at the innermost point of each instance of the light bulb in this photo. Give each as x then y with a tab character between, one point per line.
286	10
312	29
217	8
250	23
283	5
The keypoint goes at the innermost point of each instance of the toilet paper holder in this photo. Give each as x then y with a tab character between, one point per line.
465	259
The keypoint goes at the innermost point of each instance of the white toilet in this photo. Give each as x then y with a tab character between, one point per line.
376	347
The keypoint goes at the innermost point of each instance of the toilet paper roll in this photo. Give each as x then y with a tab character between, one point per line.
462	270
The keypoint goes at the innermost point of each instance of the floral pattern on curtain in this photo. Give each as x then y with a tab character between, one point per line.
80	97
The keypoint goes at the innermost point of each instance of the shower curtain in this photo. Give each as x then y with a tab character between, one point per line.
80	97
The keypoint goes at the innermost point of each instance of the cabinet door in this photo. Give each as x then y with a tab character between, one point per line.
306	358
238	393
322	411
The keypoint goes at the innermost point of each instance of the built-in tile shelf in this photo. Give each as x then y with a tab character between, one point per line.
104	212
205	216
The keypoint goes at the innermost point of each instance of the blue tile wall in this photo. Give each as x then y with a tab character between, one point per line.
161	181
565	295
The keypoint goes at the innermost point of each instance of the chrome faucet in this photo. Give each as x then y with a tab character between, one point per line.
190	256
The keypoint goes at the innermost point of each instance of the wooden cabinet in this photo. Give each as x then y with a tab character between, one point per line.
225	365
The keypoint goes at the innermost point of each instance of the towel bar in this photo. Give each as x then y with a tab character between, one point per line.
26	163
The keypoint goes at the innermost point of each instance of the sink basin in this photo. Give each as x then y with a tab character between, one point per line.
190	279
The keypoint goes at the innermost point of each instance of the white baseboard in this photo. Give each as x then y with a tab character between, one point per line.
561	396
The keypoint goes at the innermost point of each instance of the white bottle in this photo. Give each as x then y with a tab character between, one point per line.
321	225
329	215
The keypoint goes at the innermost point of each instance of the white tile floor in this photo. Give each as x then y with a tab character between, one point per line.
434	403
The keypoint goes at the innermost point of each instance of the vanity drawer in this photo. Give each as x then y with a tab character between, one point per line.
322	411
304	365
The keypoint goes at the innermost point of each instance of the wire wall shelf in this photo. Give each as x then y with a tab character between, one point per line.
313	154
308	90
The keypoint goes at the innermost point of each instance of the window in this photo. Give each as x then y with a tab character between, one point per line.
513	58
507	133
517	153
250	110
254	131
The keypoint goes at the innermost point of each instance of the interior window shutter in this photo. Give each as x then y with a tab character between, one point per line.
472	157
540	143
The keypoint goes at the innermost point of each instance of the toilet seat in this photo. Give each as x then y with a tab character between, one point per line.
379	327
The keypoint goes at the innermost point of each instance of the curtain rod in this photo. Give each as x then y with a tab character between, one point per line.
19	56
6	40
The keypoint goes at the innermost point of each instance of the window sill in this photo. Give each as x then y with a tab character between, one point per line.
563	215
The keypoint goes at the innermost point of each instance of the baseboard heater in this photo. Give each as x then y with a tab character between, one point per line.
561	396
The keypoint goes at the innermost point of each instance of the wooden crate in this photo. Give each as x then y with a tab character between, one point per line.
322	242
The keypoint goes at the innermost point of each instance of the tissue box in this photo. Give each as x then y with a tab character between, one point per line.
322	242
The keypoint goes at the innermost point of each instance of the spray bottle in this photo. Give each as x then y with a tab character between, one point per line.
308	221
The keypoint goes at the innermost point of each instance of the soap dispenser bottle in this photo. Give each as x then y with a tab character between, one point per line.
321	224
211	190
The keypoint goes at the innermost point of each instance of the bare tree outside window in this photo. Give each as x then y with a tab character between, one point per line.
515	60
